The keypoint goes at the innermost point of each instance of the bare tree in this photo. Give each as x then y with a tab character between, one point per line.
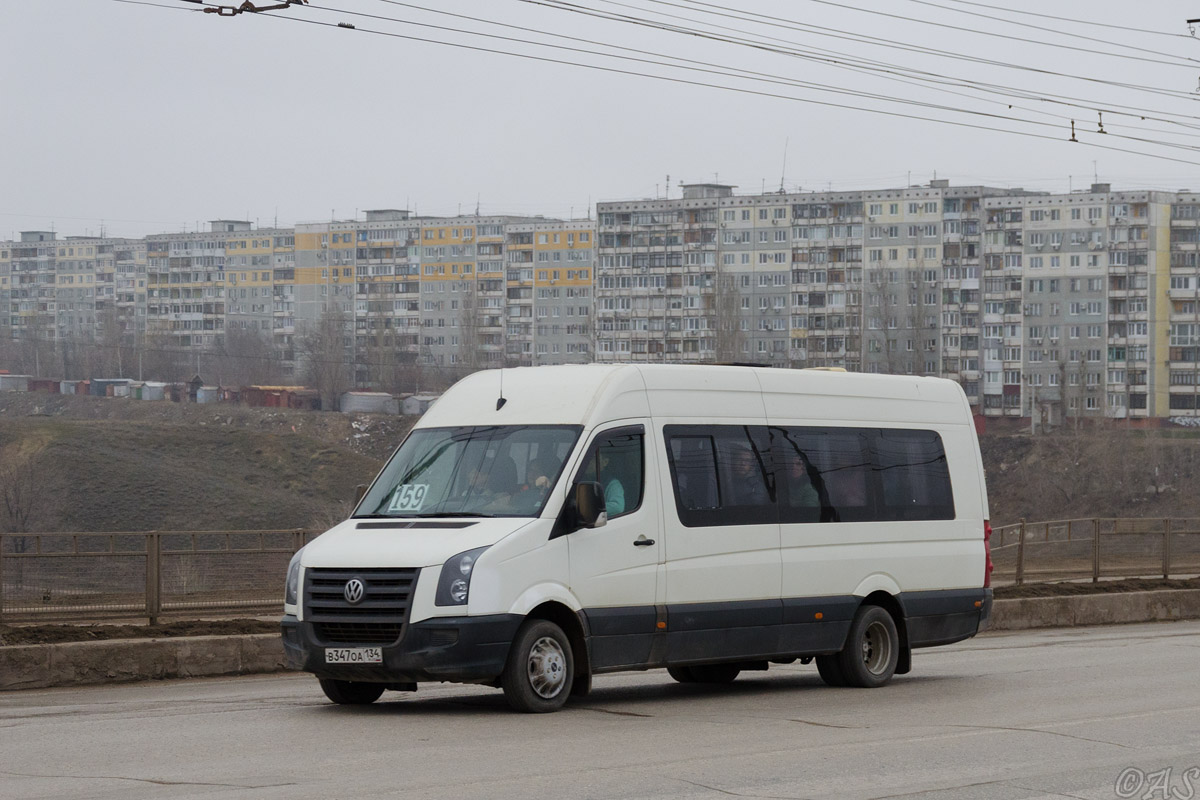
323	350
724	310
468	329
25	493
244	357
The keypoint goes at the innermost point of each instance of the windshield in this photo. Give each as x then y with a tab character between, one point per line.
495	471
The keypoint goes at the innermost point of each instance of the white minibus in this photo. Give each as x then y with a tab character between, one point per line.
542	525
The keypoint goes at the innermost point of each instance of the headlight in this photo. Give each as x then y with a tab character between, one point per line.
292	587
454	585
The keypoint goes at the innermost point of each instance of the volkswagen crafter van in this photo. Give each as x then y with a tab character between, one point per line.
543	525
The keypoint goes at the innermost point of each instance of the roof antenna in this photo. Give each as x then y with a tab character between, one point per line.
501	401
783	174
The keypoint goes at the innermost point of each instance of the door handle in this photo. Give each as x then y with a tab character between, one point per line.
642	541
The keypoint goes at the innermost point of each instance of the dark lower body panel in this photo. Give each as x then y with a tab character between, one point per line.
458	649
475	649
647	637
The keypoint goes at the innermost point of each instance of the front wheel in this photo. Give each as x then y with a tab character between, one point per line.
872	649
540	668
351	693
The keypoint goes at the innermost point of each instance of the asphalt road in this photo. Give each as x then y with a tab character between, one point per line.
1020	715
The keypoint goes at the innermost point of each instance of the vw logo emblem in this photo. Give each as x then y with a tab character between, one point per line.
354	591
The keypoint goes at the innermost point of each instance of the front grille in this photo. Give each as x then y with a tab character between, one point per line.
357	632
379	618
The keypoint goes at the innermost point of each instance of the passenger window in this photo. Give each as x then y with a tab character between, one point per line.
914	477
616	461
837	462
803	496
722	475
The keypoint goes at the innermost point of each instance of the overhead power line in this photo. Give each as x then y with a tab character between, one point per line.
1124	28
723	87
843	61
1008	37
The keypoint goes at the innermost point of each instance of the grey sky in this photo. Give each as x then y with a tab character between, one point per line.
153	119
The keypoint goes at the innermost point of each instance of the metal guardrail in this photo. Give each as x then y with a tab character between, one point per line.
151	574
1075	549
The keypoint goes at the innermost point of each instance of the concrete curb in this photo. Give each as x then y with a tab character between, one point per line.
123	660
41	666
1095	609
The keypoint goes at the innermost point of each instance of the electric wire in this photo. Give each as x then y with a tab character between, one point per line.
760	77
838	59
838	62
834	33
1051	30
730	88
1009	37
476	48
1124	28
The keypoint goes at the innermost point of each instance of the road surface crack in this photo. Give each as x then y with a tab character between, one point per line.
829	725
147	780
613	711
738	794
1041	730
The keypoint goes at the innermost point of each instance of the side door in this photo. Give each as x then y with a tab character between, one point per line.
614	568
721	527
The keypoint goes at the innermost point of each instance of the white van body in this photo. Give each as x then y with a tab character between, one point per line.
865	492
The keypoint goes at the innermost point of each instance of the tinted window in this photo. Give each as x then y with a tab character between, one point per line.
837	466
913	475
738	475
722	475
615	461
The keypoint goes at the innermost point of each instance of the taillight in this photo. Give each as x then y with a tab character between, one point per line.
987	553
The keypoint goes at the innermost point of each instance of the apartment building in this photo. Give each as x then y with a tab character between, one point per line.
1042	306
450	294
879	281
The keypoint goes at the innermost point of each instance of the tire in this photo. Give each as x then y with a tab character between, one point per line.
351	693
831	671
715	673
540	669
872	649
682	674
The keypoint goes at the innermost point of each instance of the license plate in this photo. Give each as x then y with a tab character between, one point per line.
353	655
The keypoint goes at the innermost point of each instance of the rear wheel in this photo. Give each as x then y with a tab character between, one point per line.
351	693
540	668
872	649
831	671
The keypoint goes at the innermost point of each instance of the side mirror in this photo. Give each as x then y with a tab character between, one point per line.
589	505
360	491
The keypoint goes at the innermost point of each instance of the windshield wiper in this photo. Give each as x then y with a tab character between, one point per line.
430	514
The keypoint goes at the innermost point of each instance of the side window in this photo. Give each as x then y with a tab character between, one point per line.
861	475
913	476
722	475
837	464
616	461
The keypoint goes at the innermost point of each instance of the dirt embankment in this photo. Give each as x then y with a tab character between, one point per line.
126	465
1111	472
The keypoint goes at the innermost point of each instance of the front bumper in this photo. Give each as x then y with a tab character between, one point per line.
458	649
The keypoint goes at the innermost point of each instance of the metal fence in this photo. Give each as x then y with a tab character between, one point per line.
1077	549
73	576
